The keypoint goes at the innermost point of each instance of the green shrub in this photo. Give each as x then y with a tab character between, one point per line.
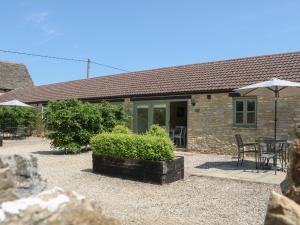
71	123
11	116
121	129
39	126
133	146
112	115
156	130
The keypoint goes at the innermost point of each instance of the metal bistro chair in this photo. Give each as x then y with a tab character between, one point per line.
284	147
20	133
179	135
244	148
9	132
267	150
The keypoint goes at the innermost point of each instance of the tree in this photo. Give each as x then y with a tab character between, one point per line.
71	123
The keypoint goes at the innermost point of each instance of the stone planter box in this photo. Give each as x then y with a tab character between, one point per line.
158	172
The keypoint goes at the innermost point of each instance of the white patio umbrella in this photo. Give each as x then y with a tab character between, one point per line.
14	103
274	88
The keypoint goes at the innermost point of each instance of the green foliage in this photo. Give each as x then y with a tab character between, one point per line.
113	115
71	123
39	126
133	146
121	129
156	130
11	116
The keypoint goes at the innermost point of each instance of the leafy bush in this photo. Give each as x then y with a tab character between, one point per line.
39	127
71	123
112	115
121	129
156	130
11	116
133	146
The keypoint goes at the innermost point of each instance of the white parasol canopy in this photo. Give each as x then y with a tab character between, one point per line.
283	88
274	88
14	103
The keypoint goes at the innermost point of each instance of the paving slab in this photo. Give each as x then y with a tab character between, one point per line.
225	167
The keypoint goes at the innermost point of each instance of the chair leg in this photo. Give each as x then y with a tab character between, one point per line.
243	158
239	157
256	160
285	159
264	163
275	165
282	165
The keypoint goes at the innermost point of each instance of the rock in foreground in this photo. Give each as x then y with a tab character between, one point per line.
7	185
282	211
28	181
53	207
291	185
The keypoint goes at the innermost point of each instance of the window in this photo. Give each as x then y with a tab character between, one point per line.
159	114
244	112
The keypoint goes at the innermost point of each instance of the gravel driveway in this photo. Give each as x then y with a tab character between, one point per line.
196	200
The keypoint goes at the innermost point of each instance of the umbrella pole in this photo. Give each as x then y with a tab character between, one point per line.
275	120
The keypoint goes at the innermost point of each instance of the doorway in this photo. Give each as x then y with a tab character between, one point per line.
178	123
178	114
148	113
169	114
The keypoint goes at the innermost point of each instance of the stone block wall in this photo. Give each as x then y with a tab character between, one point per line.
210	122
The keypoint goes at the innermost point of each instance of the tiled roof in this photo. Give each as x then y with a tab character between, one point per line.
14	75
203	77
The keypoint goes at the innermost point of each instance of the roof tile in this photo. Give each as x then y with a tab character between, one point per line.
211	76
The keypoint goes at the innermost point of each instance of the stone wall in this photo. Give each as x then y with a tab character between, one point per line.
210	122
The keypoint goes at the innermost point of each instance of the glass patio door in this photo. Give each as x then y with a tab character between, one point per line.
150	113
142	112
160	115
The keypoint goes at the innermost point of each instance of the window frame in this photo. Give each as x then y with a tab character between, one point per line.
245	112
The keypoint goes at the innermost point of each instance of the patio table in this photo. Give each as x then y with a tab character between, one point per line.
278	147
9	132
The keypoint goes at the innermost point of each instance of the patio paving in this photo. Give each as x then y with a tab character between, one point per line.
223	166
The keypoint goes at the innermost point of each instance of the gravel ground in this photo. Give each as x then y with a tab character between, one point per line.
196	200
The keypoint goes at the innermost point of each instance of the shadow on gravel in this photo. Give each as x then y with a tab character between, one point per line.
50	152
58	152
87	170
228	165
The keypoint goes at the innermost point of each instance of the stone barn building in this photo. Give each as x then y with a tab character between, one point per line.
199	97
13	76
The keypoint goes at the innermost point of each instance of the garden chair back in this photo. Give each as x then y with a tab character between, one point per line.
242	148
179	135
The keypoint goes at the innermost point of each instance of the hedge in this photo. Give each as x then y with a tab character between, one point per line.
11	116
71	123
133	146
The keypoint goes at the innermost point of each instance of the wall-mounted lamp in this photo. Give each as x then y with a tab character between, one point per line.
193	101
234	94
